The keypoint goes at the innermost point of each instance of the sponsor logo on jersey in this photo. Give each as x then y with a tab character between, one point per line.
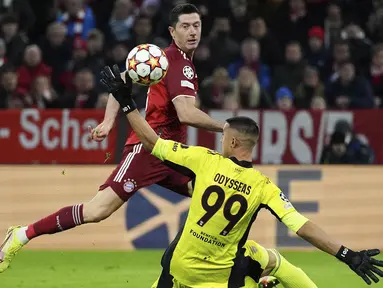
188	72
187	84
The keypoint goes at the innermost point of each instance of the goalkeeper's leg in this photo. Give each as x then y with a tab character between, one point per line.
274	264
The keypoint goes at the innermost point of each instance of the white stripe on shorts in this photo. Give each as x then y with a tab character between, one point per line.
124	167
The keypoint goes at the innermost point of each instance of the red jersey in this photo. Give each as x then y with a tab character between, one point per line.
161	114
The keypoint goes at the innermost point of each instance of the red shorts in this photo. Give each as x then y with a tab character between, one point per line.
138	168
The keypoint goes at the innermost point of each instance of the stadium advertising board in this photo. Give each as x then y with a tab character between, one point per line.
60	136
52	136
346	201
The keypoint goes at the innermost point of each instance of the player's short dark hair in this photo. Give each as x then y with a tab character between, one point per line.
182	9
245	126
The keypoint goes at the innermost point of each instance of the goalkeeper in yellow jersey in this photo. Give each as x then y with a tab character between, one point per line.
212	248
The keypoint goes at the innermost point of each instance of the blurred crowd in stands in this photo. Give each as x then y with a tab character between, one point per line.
283	54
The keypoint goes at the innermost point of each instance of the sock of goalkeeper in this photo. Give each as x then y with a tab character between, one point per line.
289	275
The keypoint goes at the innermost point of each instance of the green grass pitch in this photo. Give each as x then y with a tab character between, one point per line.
139	269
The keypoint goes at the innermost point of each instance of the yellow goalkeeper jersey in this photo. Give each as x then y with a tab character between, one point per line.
226	198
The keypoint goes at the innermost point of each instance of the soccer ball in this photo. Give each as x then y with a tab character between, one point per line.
147	64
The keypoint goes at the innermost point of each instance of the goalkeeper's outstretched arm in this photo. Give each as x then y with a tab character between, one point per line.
318	238
361	262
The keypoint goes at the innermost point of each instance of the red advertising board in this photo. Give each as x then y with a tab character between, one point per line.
298	137
51	136
61	136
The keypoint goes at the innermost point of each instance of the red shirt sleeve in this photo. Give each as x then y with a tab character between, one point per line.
180	79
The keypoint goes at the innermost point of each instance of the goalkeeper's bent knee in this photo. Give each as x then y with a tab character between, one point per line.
289	275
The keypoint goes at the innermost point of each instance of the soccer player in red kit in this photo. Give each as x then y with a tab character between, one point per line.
170	107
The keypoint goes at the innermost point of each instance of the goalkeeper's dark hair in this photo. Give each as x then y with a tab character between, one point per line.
246	127
182	9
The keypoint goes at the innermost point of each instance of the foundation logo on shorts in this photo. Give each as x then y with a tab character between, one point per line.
130	185
154	215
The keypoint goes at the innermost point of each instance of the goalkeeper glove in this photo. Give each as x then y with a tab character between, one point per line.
362	263
122	91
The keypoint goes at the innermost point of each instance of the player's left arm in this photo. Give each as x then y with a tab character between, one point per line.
189	114
361	262
182	91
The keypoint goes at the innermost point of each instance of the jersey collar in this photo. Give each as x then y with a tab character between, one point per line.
245	164
174	45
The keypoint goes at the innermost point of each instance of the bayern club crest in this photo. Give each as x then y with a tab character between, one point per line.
130	185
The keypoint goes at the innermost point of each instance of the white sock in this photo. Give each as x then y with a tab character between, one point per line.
22	235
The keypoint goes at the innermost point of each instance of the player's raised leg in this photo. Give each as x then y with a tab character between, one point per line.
99	208
274	264
118	188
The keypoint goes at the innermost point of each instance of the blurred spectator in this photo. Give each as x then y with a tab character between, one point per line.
119	53
294	22
149	8
345	148
316	53
340	53
375	22
10	96
22	10
56	52
332	24
95	43
42	95
122	20
247	89
271	53
217	91
78	18
33	66
310	86
3	52
250	53
45	12
203	61
285	99
15	41
225	48
241	35
79	61
349	91
360	45
239	18
84	95
375	74
79	51
318	103
95	59
291	73
143	33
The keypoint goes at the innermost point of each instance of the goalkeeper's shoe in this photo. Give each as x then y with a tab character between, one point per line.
9	248
268	282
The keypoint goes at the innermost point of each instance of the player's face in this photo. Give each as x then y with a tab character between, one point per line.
187	33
